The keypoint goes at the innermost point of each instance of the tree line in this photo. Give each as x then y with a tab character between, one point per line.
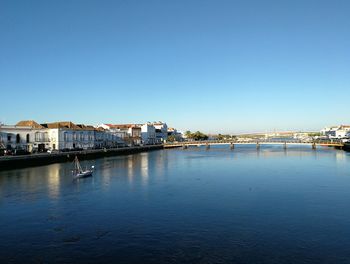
201	136
196	135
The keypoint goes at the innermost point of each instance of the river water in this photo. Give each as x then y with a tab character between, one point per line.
182	206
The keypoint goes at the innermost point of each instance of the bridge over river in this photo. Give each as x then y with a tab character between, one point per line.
258	143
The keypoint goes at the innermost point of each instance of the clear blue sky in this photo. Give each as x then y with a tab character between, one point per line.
216	66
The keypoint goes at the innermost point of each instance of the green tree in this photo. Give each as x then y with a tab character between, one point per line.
199	136
316	134
188	133
220	137
171	138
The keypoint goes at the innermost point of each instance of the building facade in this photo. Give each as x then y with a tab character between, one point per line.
28	136
161	131
177	135
128	134
148	134
336	132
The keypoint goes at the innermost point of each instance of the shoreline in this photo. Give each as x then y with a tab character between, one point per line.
32	160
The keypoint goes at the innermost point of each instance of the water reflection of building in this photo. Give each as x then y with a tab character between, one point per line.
161	163
144	164
130	167
53	180
340	156
36	181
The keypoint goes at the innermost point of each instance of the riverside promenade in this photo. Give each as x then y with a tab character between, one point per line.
15	162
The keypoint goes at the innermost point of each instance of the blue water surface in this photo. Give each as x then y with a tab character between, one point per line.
182	206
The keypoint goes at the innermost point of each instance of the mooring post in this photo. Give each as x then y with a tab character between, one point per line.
285	145
207	146
314	145
257	145
232	146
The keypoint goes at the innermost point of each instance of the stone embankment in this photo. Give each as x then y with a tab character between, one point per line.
14	162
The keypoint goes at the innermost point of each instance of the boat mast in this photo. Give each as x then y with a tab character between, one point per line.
78	168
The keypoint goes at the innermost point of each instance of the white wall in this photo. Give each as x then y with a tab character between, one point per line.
148	134
36	137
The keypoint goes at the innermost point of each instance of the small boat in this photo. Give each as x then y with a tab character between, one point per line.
78	172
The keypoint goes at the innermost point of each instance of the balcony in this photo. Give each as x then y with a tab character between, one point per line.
42	140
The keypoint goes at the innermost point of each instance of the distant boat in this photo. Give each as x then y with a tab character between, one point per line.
78	172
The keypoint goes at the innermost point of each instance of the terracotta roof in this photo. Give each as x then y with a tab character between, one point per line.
29	123
65	124
86	127
122	125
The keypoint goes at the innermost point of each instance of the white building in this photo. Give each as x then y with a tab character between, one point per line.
69	136
148	134
161	131
129	134
176	134
25	135
336	132
118	134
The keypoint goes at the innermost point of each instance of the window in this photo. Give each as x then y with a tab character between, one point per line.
37	136
27	138
18	139
9	137
46	136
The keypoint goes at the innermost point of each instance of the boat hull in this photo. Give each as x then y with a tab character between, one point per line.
83	174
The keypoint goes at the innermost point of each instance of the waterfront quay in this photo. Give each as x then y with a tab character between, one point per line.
14	162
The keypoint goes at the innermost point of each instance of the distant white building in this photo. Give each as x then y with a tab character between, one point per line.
342	131
177	134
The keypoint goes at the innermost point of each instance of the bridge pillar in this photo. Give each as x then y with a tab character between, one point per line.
314	145
232	146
